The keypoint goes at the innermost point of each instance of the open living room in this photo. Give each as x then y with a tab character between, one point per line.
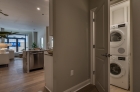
23	29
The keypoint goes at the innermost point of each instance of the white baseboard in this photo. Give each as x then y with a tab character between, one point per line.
48	89
79	86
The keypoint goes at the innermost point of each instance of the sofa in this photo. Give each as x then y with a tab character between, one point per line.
11	54
4	59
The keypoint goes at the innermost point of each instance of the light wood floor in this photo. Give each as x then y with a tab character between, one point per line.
116	89
12	79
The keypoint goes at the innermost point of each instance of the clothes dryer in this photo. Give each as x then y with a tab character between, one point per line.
120	39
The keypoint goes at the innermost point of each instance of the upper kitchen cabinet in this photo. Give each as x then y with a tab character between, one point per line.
119	13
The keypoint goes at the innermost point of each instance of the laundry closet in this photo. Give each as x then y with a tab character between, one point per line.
120	46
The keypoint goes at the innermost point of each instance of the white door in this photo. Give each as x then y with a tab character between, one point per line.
102	30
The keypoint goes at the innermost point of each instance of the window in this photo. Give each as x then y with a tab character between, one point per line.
42	42
18	42
52	42
27	42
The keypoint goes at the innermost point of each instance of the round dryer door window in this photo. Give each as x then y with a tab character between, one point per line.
116	70
116	38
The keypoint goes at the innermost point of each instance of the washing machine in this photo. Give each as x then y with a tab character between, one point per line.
120	39
120	71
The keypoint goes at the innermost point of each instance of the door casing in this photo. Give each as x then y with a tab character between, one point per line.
91	46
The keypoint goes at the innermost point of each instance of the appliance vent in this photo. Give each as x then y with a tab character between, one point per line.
121	50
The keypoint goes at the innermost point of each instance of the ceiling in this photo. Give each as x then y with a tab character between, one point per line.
23	15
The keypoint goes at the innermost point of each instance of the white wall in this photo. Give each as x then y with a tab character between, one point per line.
71	43
35	37
135	23
50	43
30	39
40	35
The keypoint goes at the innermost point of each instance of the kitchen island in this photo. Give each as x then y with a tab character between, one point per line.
33	60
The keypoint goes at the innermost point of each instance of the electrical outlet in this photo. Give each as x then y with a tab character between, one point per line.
71	72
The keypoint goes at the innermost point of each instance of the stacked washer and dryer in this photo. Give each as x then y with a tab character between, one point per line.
120	51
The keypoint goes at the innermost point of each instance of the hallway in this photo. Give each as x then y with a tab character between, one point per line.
12	78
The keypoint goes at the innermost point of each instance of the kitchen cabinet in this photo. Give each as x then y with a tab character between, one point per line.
33	60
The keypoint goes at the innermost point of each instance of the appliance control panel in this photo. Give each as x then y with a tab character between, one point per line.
121	25
118	26
121	58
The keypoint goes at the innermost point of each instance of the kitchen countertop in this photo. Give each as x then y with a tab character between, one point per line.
4	53
49	54
35	50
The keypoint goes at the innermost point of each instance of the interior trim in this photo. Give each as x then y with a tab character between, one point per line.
48	89
79	86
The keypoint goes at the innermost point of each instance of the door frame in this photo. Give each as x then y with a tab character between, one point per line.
91	48
131	48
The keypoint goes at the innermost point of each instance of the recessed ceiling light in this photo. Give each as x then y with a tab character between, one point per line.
38	9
